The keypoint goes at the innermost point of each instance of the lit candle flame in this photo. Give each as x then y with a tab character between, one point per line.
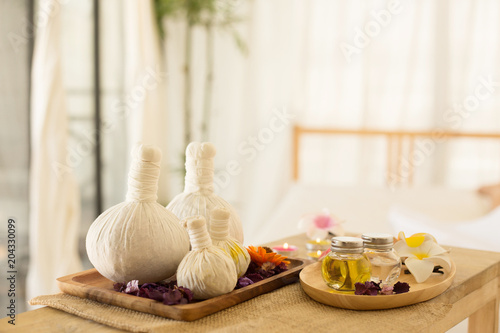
319	253
285	246
318	240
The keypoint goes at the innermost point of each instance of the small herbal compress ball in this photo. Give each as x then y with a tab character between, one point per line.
206	270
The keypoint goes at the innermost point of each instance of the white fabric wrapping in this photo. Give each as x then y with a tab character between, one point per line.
54	197
219	232
138	239
198	197
207	269
143	178
200	239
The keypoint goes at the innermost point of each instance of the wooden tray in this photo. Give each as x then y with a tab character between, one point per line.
313	284
92	285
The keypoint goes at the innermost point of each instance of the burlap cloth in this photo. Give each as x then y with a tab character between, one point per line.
286	309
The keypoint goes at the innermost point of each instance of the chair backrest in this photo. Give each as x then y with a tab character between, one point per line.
400	146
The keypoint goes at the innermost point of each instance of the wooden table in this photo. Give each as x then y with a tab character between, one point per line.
474	294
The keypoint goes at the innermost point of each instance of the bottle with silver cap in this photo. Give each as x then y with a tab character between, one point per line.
346	264
386	265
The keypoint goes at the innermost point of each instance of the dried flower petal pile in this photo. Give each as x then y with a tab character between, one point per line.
373	289
264	264
368	288
167	293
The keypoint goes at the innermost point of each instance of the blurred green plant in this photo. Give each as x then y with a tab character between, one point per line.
210	15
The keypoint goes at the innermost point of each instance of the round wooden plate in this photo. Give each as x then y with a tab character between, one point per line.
313	284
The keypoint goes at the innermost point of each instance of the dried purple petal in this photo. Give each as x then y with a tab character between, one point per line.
187	293
367	288
143	292
280	268
360	288
252	268
255	277
172	297
387	290
283	267
156	295
161	289
132	287
119	286
265	274
372	288
401	287
243	282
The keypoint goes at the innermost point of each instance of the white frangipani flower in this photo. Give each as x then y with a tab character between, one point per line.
422	253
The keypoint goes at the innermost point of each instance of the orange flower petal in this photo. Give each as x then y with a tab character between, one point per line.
260	256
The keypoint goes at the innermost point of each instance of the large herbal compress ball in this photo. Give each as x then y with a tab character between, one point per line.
138	239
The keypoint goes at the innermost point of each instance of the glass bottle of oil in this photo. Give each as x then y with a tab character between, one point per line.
386	265
346	264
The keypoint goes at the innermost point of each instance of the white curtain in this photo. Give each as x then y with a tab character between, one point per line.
54	198
410	66
254	104
145	82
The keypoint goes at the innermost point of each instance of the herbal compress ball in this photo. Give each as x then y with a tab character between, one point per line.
138	239
207	270
198	197
219	218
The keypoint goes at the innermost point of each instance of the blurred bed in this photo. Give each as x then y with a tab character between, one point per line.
456	217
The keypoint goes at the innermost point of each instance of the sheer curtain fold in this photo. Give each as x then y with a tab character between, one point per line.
407	73
145	83
253	107
54	197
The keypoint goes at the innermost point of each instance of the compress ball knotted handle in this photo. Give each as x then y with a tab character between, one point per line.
144	174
